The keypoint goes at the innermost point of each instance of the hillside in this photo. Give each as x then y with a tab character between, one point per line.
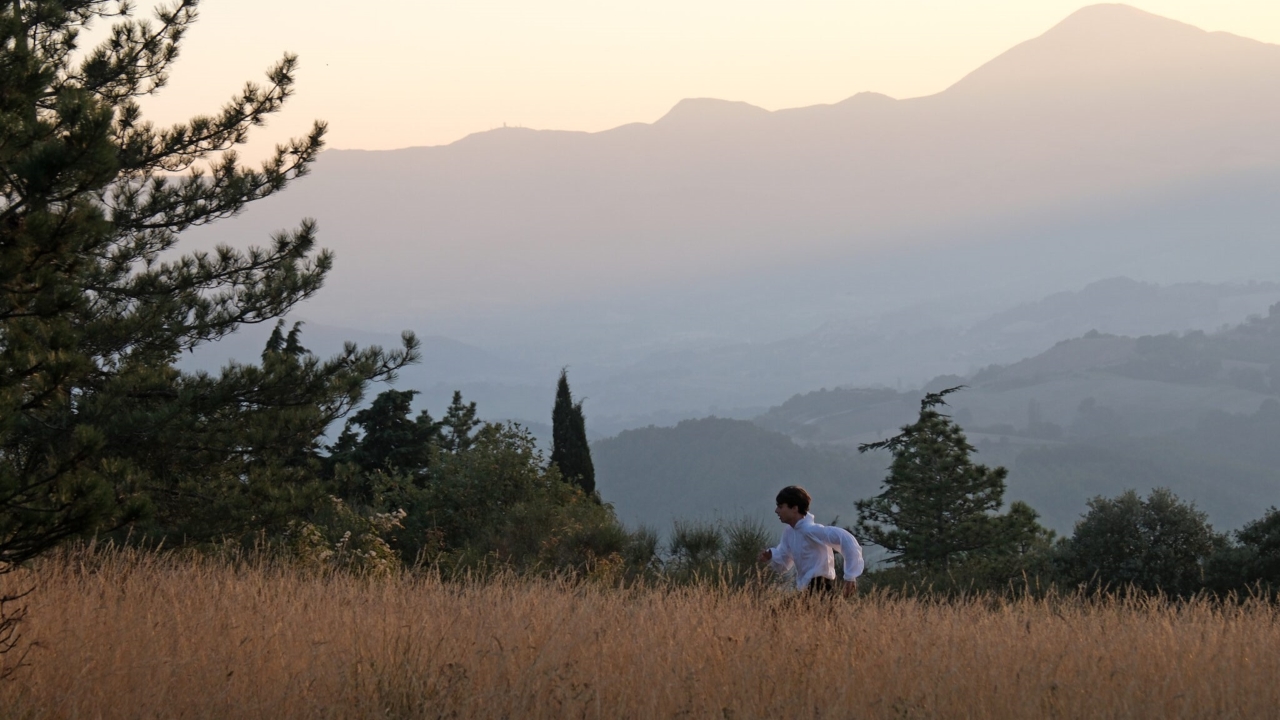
716	469
1226	463
741	381
1197	412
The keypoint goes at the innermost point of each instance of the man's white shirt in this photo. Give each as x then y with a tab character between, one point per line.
809	548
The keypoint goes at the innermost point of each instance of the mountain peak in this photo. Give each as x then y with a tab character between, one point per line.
1115	22
1110	14
866	98
709	111
1108	46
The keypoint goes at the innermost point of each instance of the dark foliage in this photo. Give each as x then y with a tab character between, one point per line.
937	509
463	494
1261	542
722	552
1153	544
571	452
383	438
97	426
1250	565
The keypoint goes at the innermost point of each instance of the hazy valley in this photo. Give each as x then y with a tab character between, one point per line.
1115	176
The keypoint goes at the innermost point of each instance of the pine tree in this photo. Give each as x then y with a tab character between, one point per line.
570	451
383	437
458	425
937	507
97	426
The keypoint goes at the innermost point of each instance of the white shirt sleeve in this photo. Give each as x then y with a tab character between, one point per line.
779	559
839	538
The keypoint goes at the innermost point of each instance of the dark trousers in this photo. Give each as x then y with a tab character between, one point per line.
823	587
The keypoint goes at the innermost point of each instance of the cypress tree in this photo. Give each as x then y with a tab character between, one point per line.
570	451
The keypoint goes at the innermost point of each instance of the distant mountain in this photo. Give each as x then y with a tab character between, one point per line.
724	258
742	380
1153	383
906	348
1124	306
1111	110
1117	49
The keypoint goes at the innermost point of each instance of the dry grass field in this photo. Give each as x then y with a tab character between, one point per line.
140	637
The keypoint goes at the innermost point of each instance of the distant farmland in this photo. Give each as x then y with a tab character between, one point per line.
143	636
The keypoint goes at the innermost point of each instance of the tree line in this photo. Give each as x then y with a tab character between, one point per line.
938	517
939	525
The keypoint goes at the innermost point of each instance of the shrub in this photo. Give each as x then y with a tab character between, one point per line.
1156	544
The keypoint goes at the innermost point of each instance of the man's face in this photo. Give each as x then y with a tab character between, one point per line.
788	514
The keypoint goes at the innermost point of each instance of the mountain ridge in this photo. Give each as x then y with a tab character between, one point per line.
1115	25
793	206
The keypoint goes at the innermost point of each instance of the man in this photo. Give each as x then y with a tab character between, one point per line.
809	547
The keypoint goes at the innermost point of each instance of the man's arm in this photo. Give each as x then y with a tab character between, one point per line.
852	553
778	558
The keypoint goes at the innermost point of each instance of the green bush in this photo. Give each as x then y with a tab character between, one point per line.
1156	544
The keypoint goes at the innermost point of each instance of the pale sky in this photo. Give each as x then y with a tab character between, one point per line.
401	73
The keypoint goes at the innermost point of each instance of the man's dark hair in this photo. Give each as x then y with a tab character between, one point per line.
796	497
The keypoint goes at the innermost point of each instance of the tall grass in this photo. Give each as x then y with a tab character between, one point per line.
128	635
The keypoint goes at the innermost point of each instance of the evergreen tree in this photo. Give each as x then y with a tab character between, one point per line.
236	455
937	507
458	425
570	451
97	426
382	447
382	438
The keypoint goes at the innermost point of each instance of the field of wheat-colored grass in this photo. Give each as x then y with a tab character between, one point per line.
134	636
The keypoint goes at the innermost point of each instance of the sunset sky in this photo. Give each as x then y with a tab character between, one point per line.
402	73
